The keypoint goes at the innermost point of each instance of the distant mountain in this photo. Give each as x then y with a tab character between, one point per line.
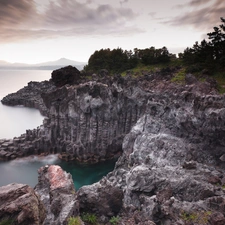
3	63
52	65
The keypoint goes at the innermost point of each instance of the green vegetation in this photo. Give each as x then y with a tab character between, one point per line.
7	222
179	77
208	55
74	221
118	60
220	78
114	220
89	218
203	59
200	218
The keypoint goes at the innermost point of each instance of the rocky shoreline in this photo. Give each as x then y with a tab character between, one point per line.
170	140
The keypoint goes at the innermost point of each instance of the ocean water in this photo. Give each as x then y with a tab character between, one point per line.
16	120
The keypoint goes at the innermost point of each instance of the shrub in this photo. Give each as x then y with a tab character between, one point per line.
6	222
89	218
74	221
114	220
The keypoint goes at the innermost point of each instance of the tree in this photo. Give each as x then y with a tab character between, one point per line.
207	55
217	38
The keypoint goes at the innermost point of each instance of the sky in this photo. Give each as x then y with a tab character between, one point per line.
35	31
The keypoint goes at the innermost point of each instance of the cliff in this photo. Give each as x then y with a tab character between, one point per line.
170	139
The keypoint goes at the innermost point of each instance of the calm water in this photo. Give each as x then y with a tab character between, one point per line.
16	120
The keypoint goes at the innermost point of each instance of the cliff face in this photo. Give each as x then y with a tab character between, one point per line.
172	167
85	122
88	122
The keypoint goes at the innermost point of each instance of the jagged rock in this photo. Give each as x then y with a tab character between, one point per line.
87	123
171	137
103	202
20	204
57	192
66	75
30	96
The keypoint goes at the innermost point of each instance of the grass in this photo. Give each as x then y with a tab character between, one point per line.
114	220
179	77
89	218
74	221
7	222
220	78
138	70
200	218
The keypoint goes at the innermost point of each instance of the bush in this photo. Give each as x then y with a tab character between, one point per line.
7	222
74	221
114	220
89	218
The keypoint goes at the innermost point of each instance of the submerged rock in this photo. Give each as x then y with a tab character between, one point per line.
20	205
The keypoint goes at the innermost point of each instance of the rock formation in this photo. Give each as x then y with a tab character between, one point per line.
30	96
67	75
20	205
171	138
172	167
56	190
85	122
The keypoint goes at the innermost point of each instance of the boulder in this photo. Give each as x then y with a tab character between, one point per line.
19	204
67	75
57	192
101	201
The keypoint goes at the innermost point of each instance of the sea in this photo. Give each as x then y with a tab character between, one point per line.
15	120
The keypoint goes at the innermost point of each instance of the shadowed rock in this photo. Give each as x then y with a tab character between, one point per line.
20	205
66	75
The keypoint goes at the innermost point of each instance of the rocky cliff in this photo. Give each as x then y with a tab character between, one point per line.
172	167
85	122
171	139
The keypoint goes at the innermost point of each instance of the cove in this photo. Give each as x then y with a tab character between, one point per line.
24	170
14	122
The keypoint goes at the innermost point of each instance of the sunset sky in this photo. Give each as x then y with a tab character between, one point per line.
34	31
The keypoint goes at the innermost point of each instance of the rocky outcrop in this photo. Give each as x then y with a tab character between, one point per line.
107	202
56	190
171	138
33	142
172	167
85	123
30	96
67	75
20	205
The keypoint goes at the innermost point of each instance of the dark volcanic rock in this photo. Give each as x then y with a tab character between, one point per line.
87	123
20	204
67	75
107	201
171	170
171	139
57	192
30	96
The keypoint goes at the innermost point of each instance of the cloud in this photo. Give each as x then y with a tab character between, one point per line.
21	20
200	17
123	1
198	2
14	13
